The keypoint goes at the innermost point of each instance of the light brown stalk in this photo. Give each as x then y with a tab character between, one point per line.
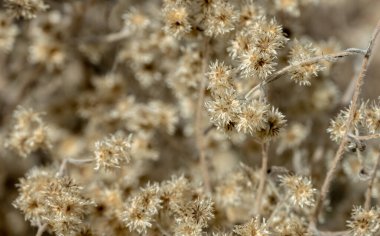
198	120
339	154
329	57
263	177
366	137
64	163
367	202
41	229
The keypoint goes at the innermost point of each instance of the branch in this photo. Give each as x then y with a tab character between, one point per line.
41	229
263	176
330	57
367	203
339	154
64	163
198	120
365	137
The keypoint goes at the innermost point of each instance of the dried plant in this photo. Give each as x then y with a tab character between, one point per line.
189	118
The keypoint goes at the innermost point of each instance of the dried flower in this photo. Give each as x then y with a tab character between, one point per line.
29	132
139	212
8	33
112	152
57	201
224	110
364	222
252	117
301	51
372	118
176	21
274	122
221	19
253	227
27	9
135	20
299	190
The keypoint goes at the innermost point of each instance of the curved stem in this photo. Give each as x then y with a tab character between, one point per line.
365	137
41	229
64	163
198	120
263	177
339	154
367	203
278	74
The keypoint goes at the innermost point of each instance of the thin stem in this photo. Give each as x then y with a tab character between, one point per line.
279	206
162	230
365	137
367	203
64	163
41	229
329	57
338	233
263	177
198	120
339	154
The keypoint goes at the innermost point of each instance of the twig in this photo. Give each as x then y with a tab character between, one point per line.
367	203
41	229
346	98
279	205
208	129
64	163
365	137
198	120
329	57
263	177
339	154
338	233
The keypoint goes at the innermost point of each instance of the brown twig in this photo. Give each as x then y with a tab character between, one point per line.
64	163
339	154
367	202
41	229
263	177
329	57
365	137
198	120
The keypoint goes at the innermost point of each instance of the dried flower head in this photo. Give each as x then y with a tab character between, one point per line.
135	20
224	110
240	44
289	6
372	118
301	51
31	199
221	20
176	21
56	201
337	127
253	227
256	65
139	211
112	152
252	117
29	132
48	52
220	78
198	211
364	222
66	206
8	33
27	9
274	122
299	189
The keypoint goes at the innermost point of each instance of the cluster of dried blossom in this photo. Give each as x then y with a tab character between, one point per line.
157	116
